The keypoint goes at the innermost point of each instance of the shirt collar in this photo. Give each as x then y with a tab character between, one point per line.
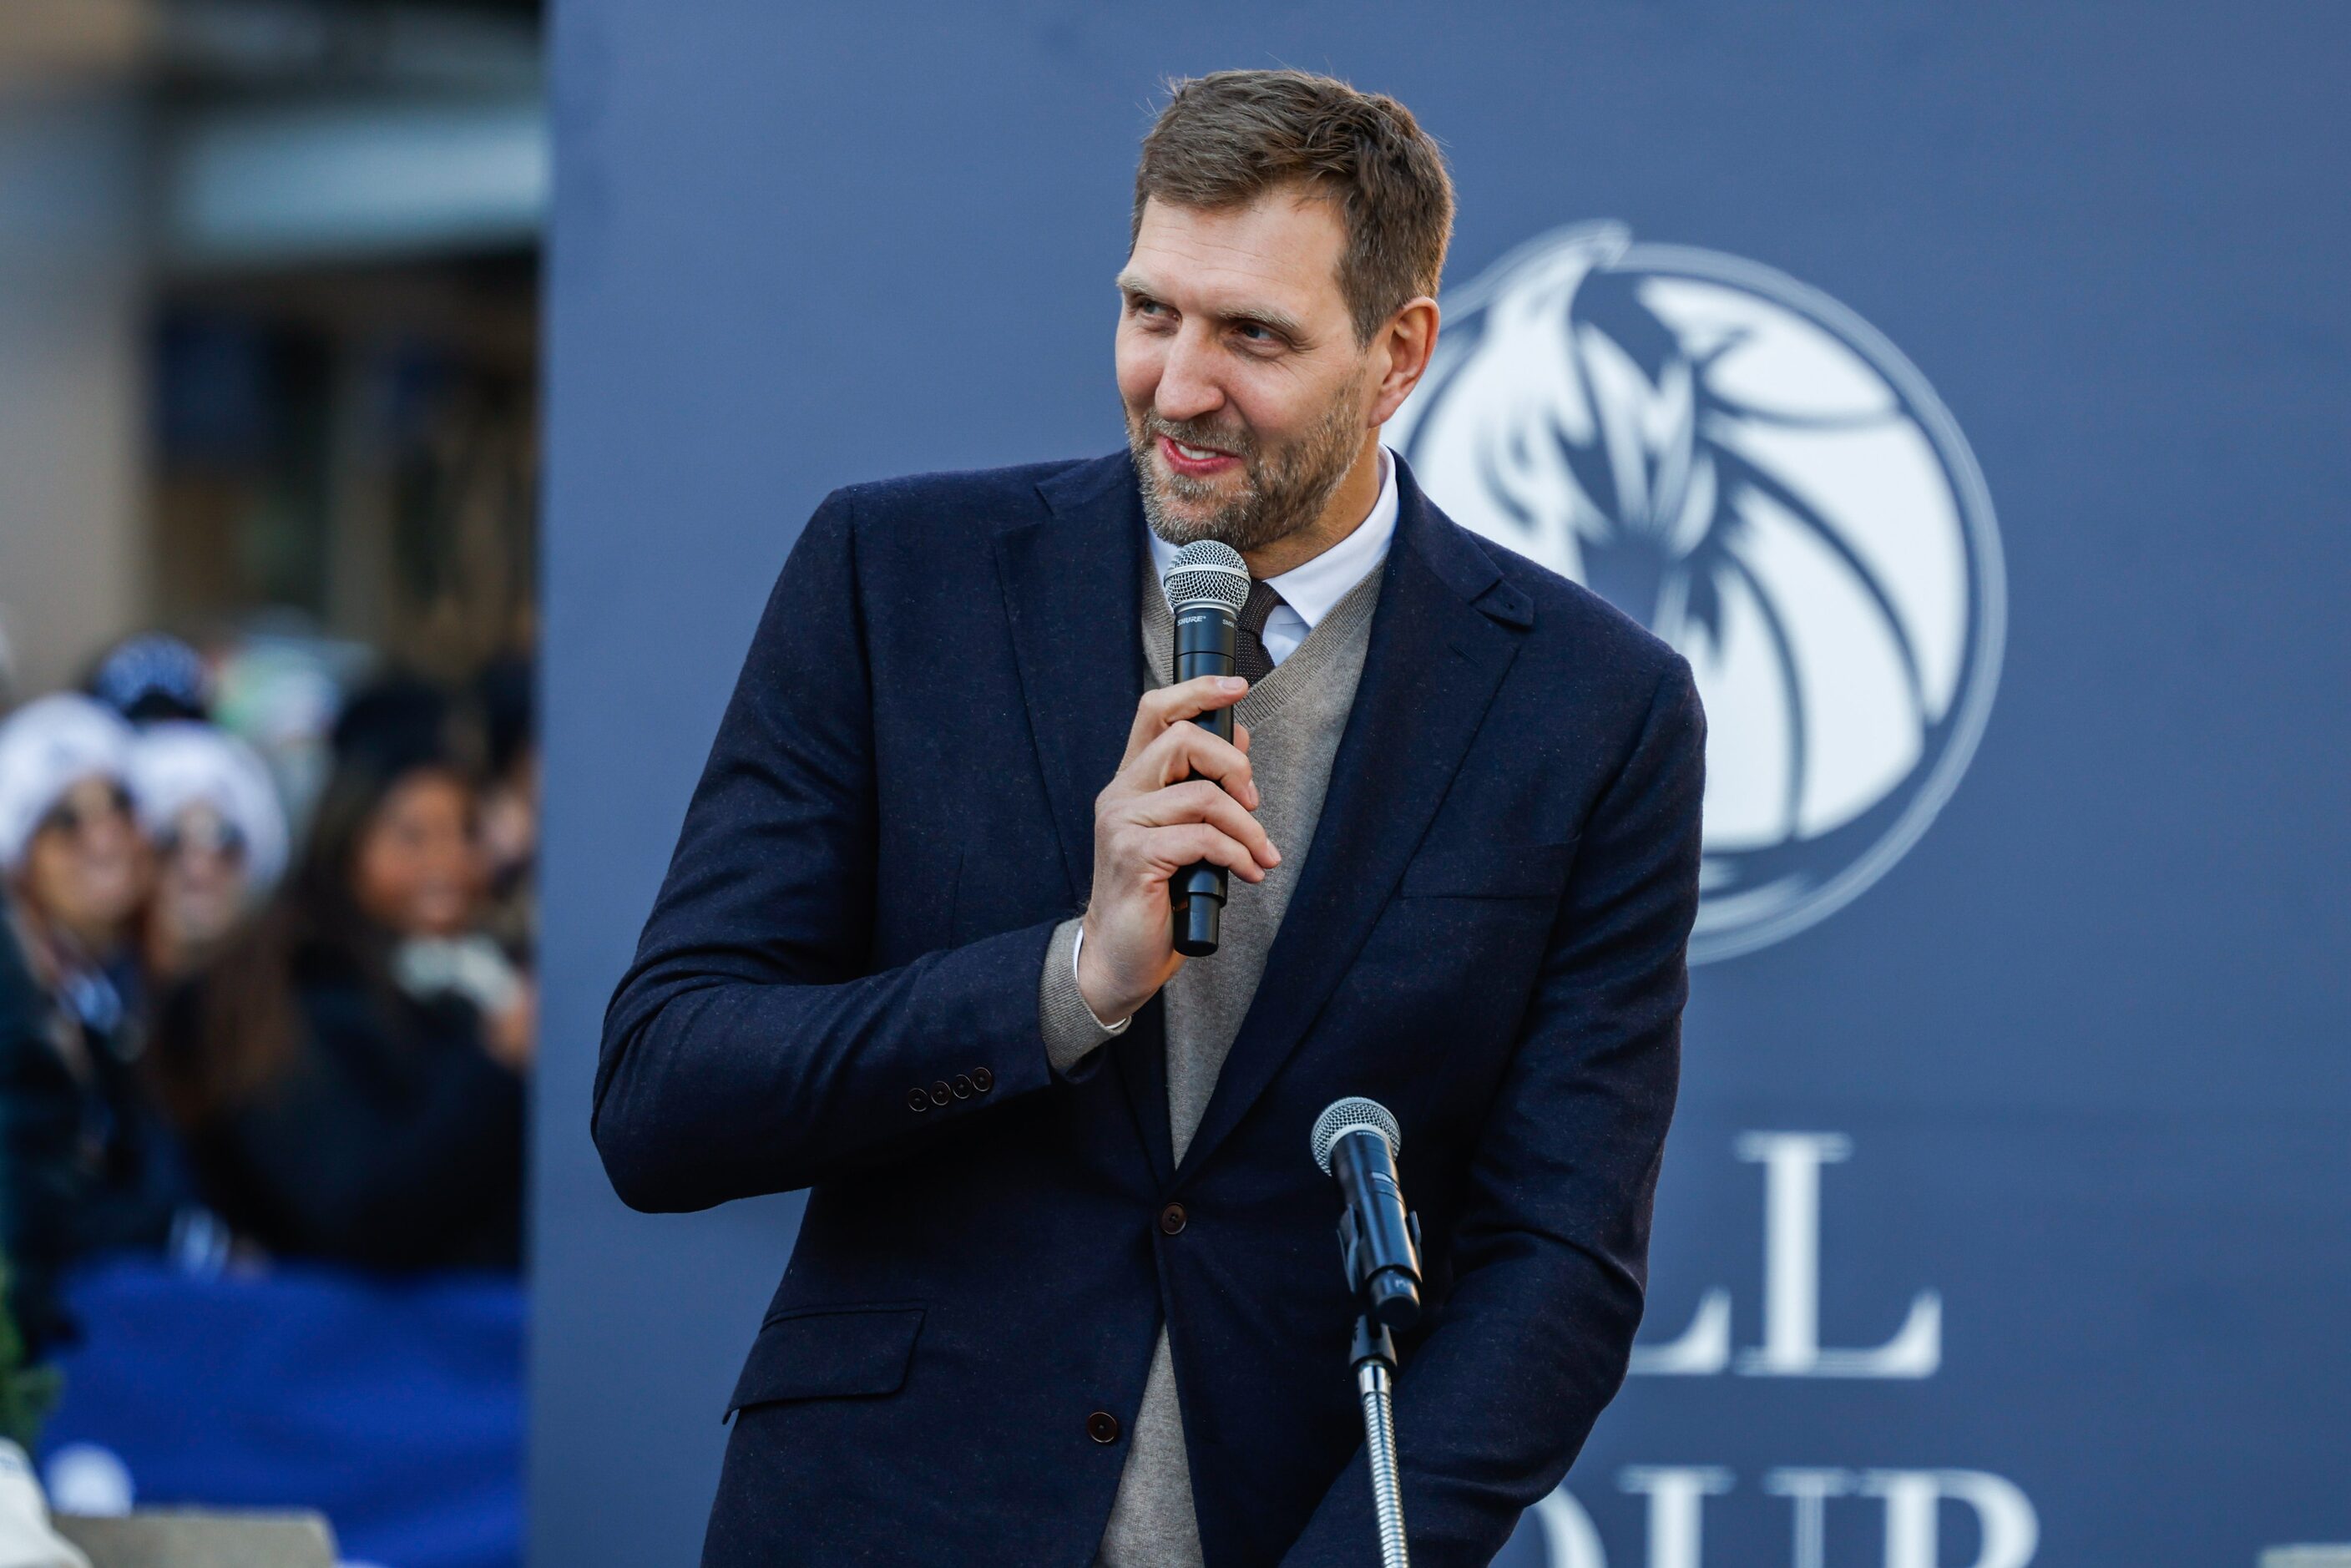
1314	586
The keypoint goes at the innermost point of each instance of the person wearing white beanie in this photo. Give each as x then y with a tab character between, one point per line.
207	804
64	759
77	867
88	1162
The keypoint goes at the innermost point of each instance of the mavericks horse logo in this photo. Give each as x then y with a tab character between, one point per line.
1756	474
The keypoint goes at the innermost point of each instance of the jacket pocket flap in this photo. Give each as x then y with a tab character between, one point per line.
830	1353
1497	869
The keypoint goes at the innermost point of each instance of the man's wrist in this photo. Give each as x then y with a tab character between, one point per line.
1073	1031
1078	972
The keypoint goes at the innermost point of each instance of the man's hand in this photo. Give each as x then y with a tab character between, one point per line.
1181	795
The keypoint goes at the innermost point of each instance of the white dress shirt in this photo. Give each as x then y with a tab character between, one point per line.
1309	591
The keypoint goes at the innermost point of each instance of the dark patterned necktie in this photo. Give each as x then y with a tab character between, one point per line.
1251	661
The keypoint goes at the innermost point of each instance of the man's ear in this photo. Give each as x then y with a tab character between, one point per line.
1410	338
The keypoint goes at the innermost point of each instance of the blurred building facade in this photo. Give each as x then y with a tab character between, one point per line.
268	275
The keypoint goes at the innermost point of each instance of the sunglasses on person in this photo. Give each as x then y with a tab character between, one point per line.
73	816
201	833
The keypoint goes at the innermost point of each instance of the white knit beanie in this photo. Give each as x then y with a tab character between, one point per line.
180	763
46	748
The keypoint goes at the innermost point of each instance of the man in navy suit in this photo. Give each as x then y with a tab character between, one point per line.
1066	1291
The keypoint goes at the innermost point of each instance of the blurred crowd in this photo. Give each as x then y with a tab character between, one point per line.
265	967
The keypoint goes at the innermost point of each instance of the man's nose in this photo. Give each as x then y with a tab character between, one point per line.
1187	384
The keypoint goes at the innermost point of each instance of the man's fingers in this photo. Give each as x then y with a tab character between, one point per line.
1201	802
1188	751
1176	704
1171	849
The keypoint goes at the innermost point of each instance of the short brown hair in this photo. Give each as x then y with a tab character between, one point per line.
1224	140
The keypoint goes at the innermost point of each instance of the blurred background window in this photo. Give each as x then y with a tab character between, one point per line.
269	464
268	327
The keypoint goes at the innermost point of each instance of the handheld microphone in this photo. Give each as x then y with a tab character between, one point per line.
1206	586
1356	1140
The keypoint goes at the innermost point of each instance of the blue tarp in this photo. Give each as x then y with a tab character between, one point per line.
394	1406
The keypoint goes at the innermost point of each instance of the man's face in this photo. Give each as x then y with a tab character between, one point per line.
1247	395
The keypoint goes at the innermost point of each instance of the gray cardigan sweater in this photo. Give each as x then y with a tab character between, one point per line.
1295	717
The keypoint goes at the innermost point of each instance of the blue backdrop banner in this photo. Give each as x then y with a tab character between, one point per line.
395	1409
1963	390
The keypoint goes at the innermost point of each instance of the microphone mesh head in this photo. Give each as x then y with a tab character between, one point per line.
1353	1114
1207	571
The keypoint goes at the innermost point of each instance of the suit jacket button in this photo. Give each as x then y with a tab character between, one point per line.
982	1078
917	1100
941	1094
963	1086
1171	1219
1102	1427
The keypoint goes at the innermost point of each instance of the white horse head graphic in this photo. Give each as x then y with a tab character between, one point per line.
1763	481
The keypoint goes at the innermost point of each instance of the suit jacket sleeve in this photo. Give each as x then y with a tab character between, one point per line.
748	1049
1551	1251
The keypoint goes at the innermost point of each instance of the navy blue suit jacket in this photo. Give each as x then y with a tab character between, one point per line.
838	991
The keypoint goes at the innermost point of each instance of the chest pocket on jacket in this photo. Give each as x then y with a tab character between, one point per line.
1498	869
830	1353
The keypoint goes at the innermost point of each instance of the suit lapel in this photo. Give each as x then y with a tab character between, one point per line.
1440	643
1070	583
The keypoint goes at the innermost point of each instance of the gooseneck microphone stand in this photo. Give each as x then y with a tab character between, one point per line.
1356	1140
1375	1356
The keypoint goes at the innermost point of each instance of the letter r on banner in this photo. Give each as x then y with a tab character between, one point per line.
2011	1530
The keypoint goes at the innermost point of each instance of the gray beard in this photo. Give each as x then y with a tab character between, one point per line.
1287	488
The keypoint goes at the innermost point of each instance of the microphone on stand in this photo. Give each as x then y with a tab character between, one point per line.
1206	586
1357	1141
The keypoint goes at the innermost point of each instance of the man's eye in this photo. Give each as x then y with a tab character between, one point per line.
1256	332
